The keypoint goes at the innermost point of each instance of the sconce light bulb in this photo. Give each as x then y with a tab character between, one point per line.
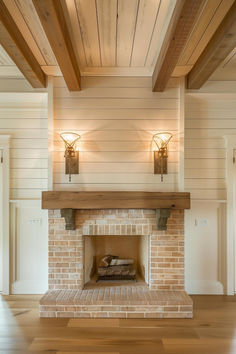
162	139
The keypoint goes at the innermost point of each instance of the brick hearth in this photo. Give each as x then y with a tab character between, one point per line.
165	296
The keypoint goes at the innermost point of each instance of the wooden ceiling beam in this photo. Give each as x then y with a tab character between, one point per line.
219	47
17	48
180	27
53	19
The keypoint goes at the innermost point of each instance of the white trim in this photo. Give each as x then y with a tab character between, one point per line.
4	145
181	133
50	133
230	242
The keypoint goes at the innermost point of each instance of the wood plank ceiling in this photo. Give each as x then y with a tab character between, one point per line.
117	37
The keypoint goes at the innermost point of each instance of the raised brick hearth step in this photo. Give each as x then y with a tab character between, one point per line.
118	302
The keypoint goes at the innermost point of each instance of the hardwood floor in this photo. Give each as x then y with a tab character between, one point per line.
213	330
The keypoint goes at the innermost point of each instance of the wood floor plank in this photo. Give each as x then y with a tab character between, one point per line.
212	330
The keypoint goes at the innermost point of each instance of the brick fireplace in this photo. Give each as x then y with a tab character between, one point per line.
161	292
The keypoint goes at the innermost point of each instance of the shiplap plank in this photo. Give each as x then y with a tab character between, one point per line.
147	15
205	144
19	193
218	87
18	113
29	163
104	103
115	187
211	123
198	183
116	178
28	143
25	133
88	24
21	100
210	114
121	114
106	16
204	163
126	135
113	92
115	82
127	14
113	124
216	194
19	123
29	183
29	153
204	173
16	84
115	167
223	104
110	156
208	133
205	153
19	173
114	146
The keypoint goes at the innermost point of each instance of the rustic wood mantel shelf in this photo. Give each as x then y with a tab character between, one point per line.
115	200
68	202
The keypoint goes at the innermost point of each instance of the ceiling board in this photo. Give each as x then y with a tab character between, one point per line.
127	15
87	15
107	18
74	28
147	16
118	37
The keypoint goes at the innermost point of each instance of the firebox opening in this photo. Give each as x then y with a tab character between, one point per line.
132	252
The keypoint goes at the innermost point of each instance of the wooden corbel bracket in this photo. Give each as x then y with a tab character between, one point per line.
162	216
69	215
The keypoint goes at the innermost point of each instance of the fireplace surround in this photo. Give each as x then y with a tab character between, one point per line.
163	296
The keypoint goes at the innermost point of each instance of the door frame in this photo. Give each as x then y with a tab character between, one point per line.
231	208
5	146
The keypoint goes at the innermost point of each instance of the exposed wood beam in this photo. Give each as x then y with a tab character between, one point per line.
181	25
17	48
52	17
220	45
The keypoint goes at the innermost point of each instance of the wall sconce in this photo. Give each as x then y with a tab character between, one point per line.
161	155
71	155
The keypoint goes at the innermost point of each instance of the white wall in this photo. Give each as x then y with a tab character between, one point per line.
23	116
116	117
209	116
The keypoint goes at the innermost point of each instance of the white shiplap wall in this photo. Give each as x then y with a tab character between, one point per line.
23	116
210	114
116	118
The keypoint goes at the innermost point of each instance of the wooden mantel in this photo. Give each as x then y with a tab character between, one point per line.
69	202
115	200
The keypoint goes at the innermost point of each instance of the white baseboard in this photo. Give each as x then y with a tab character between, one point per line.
29	287
205	287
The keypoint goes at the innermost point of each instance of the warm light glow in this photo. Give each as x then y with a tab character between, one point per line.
69	138
162	139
